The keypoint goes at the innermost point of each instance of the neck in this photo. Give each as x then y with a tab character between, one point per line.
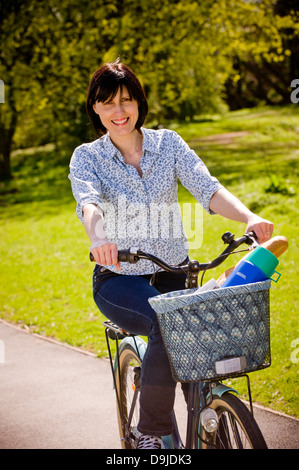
129	144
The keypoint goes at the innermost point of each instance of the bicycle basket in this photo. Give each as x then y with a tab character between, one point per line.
215	334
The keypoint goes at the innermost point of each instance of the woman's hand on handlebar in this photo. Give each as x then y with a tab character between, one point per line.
261	227
227	205
106	254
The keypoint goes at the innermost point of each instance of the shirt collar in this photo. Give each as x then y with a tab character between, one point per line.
109	148
149	142
111	151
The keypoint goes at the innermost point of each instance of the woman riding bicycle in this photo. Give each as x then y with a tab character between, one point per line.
122	182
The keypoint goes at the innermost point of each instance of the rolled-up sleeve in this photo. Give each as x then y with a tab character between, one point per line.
86	186
193	173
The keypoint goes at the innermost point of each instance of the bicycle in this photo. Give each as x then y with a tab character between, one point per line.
216	417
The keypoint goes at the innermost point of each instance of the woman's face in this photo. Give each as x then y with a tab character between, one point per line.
119	114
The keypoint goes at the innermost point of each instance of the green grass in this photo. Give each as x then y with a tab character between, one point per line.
45	275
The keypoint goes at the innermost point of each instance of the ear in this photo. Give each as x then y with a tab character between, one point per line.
95	108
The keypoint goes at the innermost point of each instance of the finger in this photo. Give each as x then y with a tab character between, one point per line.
263	228
259	233
110	254
267	230
101	255
114	254
96	255
107	255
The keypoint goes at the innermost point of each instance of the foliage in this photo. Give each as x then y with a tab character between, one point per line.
277	185
192	58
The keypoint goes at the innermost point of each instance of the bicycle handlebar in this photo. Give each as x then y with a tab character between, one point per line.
133	255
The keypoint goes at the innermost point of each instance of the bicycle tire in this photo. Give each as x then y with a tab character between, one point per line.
237	427
125	385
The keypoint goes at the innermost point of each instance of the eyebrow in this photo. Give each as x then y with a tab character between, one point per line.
123	93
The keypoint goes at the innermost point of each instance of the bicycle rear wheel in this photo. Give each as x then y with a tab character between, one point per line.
237	427
127	389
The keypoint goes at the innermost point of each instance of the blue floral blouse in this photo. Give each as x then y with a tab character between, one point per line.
142	212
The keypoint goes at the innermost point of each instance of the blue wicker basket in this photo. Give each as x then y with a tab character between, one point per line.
206	332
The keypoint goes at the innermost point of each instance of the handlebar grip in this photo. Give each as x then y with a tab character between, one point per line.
126	255
123	255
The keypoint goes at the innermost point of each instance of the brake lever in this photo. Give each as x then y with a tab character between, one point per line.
254	244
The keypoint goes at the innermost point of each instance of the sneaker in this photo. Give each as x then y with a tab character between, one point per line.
149	442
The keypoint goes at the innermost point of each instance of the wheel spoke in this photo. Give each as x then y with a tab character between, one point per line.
235	432
224	434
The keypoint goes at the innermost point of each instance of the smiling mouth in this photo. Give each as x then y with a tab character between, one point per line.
121	122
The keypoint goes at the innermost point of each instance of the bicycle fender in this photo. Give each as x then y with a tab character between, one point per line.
220	389
133	342
141	346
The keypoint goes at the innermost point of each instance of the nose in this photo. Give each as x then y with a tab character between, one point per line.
119	108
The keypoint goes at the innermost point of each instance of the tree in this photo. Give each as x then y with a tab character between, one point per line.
50	49
192	58
262	41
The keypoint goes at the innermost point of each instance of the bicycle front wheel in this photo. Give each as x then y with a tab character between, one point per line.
127	392
237	427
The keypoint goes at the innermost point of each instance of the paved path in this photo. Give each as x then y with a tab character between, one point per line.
56	397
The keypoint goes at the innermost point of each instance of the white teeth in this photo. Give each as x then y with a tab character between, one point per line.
120	122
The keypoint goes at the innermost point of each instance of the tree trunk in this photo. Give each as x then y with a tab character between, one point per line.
6	136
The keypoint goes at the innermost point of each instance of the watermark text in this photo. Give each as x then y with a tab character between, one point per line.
139	221
295	93
295	353
2	91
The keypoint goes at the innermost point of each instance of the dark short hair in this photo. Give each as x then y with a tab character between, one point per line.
105	83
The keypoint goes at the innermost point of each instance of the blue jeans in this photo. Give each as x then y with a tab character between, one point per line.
123	299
